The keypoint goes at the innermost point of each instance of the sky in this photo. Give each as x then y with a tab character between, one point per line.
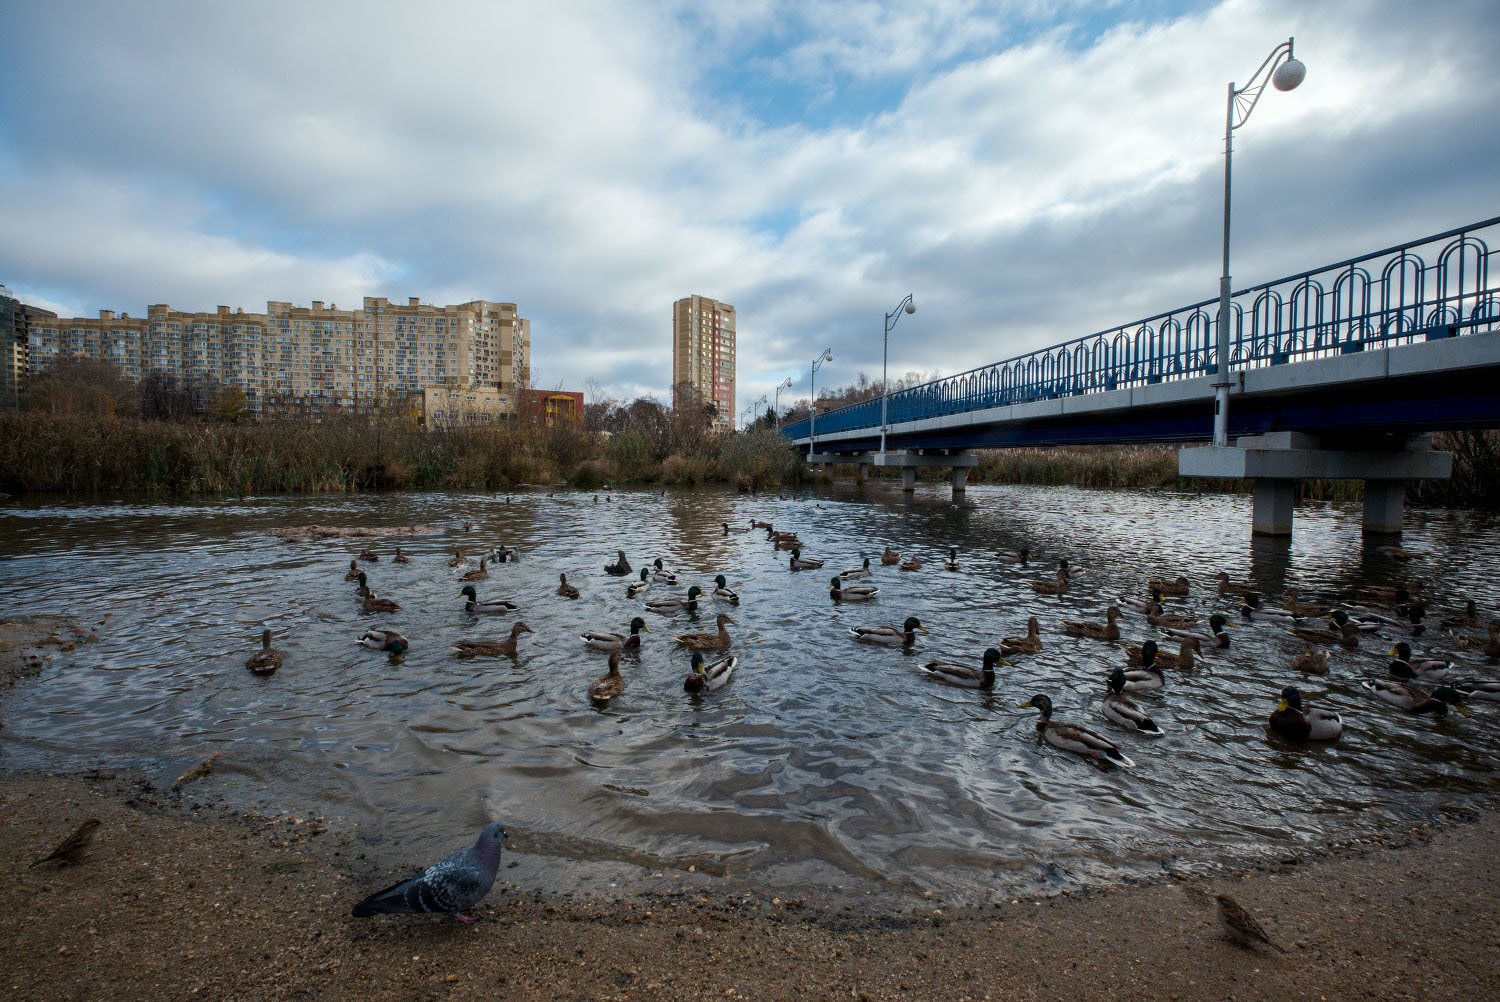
1029	171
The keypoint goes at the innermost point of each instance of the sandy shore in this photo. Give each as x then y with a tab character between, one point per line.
173	902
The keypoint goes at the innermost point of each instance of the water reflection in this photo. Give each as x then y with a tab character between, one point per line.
824	761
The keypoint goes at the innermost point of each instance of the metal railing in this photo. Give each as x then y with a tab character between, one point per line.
1436	287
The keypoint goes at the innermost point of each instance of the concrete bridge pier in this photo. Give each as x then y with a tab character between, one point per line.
1277	460
960	461
863	474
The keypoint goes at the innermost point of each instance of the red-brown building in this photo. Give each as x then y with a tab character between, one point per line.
550	407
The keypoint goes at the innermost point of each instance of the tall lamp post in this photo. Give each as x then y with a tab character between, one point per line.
812	390
891	318
755	412
1284	72
785	384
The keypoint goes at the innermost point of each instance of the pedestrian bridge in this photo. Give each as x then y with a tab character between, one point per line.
1357	356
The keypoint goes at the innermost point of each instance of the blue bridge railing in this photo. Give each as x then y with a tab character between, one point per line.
1436	287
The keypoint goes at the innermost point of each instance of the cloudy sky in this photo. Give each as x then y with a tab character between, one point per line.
1030	170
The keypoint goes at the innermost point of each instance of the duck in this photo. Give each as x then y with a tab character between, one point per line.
1297	607
723	592
609	685
564	589
1218	635
1347	634
1152	604
1021	556
1176	586
1108	630
841	592
369	556
911	564
1182	660
889	636
373	604
780	537
1468	621
710	675
966	676
1147	676
479	573
673	603
1252	611
951	564
1398	552
1404	666
1492	645
1074	738
1412	590
491	648
1417	701
1489	691
639	587
458	559
353	573
789	543
800	563
1058	587
384	640
266	660
620	567
1411	625
364	585
755	524
738	528
1228	587
1312	660
400	557
1290	720
889	557
503	554
616	642
857	572
660	573
1158	618
490	606
1123	710
1029	644
707	641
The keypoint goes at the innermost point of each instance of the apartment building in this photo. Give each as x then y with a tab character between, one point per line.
12	348
703	354
317	358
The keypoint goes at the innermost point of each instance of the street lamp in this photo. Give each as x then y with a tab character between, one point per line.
812	390
1284	73
891	318
784	385
755	412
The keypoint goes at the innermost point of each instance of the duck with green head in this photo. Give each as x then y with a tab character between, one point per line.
890	636
639	587
1290	720
723	592
602	641
676	603
966	676
841	592
1074	738
487	607
708	676
1123	710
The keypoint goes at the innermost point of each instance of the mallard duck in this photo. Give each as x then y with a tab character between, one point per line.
618	641
707	641
384	640
1492	646
1399	552
1176	586
479	573
1312	660
1073	738
363	588
400	557
964	675
640	587
911	564
889	557
857	572
841	592
723	592
779	537
1058	587
491	648
1253	612
1147	676
1182	660
1408	592
1218	635
1125	711
1291	721
369	556
1029	644
620	567
710	675
1404	666
660	573
1468	621
609	685
490	606
799	563
1159	619
673	603
1020	556
266	660
503	554
1489	691
1299	608
1347	634
755	524
353	573
890	636
458	559
951	564
1108	630
1228	587
737	528
790	543
1410	625
373	604
564	589
1414	700
1149	605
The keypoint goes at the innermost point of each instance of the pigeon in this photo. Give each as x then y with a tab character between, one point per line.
452	885
73	847
1241	927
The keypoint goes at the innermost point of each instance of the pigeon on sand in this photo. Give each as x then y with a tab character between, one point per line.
451	886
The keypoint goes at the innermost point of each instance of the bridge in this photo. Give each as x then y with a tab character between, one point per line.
1340	372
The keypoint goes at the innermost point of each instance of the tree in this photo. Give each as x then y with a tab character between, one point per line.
80	386
230	406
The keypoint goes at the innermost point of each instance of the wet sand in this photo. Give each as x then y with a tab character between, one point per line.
176	902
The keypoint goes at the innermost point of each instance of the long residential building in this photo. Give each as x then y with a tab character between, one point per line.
318	359
703	354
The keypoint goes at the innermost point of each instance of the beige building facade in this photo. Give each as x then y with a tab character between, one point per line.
703	353
317	359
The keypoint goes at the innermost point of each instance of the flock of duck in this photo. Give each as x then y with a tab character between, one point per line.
1396	614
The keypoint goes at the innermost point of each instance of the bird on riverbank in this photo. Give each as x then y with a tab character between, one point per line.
564	589
710	676
707	641
600	640
609	685
1073	737
723	592
889	636
1108	630
640	587
1417	701
266	660
379	639
1290	720
676	603
451	886
620	567
1240	927
1123	710
70	851
840	592
487	607
800	563
1057	587
1029	644
1407	667
966	676
479	573
492	648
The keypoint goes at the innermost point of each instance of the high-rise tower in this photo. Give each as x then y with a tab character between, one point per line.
703	354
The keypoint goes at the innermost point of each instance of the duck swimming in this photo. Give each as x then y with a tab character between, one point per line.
799	563
1108	630
620	567
1291	721
1414	700
564	589
384	640
889	636
1071	737
601	641
723	592
488	607
491	648
1029	644
1123	710
707	641
266	660
674	603
710	675
841	592
640	587
609	685
966	676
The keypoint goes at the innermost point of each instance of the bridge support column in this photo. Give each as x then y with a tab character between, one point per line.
908	478
863	474
960	482
908	460
1385	506
1271	512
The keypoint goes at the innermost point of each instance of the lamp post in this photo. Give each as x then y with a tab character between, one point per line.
785	384
755	412
891	318
812	391
1284	72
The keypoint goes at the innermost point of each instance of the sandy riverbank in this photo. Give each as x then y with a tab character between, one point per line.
171	905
